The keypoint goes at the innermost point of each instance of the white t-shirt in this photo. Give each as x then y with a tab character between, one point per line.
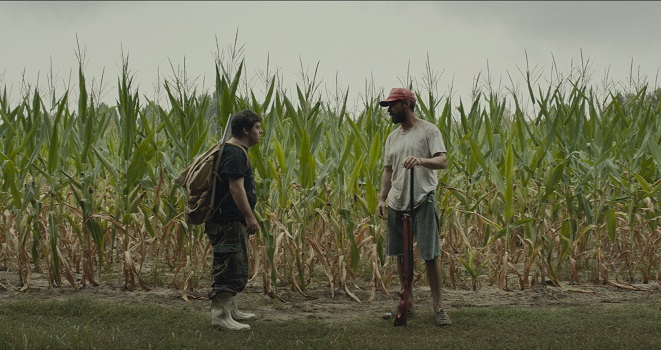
423	140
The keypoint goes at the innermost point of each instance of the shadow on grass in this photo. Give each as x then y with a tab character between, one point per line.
85	323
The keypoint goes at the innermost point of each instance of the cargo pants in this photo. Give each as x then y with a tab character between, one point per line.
230	257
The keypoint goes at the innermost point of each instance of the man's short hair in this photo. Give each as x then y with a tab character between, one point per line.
244	120
412	106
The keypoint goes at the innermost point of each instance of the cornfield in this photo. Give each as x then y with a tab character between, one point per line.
557	184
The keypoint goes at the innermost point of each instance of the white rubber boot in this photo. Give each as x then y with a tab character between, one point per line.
240	315
221	314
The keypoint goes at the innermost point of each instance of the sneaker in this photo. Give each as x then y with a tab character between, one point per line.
392	314
441	318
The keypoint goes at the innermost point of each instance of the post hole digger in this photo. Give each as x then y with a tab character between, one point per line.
407	220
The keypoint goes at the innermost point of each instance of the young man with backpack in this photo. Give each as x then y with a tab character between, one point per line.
233	221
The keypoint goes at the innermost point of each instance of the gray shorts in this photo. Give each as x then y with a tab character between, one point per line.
425	226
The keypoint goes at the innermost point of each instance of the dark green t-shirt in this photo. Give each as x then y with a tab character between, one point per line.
233	165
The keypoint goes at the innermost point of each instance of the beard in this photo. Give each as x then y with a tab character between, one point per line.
398	117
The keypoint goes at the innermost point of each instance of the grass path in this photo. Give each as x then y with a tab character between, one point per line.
159	319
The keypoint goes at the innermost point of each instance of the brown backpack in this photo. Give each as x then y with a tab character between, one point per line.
199	183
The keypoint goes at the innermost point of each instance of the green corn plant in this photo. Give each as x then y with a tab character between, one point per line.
126	157
85	132
21	150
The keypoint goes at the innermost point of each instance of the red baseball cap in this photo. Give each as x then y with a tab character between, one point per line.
397	94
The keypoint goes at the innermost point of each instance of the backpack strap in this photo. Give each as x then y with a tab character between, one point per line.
244	152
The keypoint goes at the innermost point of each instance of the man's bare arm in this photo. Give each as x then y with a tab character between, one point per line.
386	183
238	193
438	161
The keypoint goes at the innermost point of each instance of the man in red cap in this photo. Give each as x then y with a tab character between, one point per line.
415	143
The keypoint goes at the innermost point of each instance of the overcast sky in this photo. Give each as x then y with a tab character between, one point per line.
353	42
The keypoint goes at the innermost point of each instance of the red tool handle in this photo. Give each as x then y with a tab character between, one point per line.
407	222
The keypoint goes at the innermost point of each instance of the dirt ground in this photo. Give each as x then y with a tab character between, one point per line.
340	307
